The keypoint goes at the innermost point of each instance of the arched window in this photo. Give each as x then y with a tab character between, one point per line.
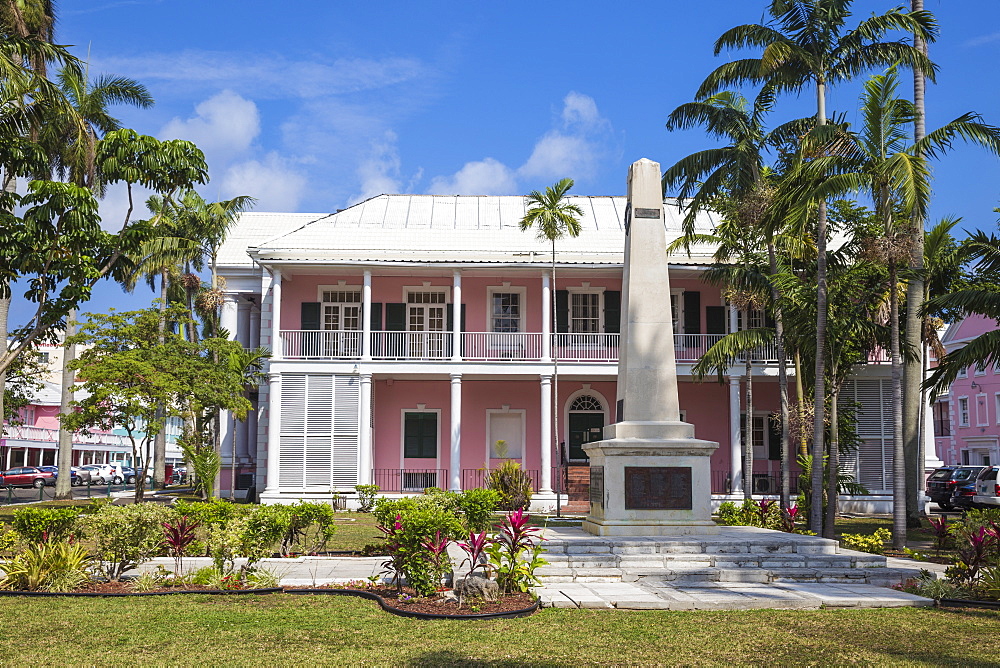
585	402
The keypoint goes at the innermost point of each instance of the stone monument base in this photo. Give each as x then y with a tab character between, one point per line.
650	479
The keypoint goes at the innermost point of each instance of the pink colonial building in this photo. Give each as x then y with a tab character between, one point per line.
967	416
412	333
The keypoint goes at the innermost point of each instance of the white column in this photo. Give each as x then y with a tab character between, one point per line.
456	318
546	319
273	432
545	433
277	348
455	471
244	334
366	320
243	308
366	458
735	451
228	320
734	322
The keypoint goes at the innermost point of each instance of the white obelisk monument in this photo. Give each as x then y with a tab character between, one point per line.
650	476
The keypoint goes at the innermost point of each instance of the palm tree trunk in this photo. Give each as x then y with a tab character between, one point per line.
913	375
748	427
898	455
779	341
65	460
833	463
160	443
4	311
819	393
555	365
800	394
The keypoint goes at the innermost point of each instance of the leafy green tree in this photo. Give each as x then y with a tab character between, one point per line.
127	373
806	43
553	218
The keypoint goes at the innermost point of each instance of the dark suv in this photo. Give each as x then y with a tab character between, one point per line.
942	483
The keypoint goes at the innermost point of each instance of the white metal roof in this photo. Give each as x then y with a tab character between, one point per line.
438	228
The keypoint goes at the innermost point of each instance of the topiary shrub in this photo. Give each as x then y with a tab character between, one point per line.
477	507
39	523
126	536
512	484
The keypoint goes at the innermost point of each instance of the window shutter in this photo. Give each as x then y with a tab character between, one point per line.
562	311
311	316
395	317
692	312
715	319
612	312
376	318
773	437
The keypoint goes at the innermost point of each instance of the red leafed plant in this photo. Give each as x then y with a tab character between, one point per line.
439	553
178	536
475	548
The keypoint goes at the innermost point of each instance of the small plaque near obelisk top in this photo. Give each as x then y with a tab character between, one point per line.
655	473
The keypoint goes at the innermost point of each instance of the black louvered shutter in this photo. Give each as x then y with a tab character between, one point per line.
692	312
562	311
310	316
376	317
715	319
773	437
395	317
450	323
612	312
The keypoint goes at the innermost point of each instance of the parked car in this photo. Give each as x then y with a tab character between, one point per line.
77	476
132	474
987	487
103	474
942	483
962	497
27	476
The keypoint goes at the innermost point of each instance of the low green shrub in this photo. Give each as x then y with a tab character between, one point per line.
35	524
126	536
208	513
58	566
366	497
512	484
871	543
477	507
410	524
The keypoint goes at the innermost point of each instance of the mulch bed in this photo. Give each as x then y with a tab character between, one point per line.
125	587
410	603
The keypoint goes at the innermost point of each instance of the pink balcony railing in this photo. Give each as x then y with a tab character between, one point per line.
501	346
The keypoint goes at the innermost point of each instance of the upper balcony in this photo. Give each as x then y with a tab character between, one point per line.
512	347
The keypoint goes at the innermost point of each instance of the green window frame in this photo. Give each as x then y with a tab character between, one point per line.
420	435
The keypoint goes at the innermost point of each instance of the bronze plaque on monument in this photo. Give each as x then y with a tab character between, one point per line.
658	488
597	484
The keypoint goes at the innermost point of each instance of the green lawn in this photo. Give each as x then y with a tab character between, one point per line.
326	630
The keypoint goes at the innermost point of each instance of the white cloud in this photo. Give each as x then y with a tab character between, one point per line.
273	181
223	126
114	206
379	173
982	40
574	148
482	177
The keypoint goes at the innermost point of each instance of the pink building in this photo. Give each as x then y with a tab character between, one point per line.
967	417
411	333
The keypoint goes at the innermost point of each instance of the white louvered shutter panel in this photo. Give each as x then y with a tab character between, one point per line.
346	440
874	425
291	449
319	432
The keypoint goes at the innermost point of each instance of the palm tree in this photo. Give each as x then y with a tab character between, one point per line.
553	218
880	160
914	368
983	350
737	171
807	43
71	140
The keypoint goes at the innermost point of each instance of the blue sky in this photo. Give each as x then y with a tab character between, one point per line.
311	106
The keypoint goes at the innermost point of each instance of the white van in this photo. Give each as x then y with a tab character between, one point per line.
987	487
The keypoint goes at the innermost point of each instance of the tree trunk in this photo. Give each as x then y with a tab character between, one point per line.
913	375
800	393
64	489
160	443
748	427
4	311
819	394
833	464
779	341
898	456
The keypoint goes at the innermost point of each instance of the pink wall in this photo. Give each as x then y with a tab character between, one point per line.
706	404
981	389
390	289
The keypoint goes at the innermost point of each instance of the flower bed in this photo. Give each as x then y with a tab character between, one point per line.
409	604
